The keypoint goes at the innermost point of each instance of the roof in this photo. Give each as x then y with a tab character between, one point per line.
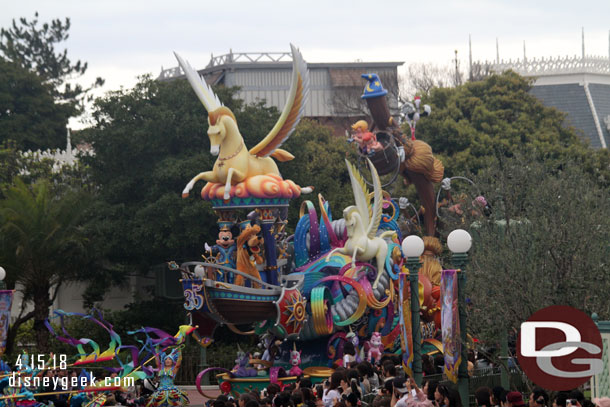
269	60
572	99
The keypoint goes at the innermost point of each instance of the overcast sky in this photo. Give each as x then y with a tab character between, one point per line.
121	39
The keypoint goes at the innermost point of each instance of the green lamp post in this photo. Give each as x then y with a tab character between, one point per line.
459	242
413	248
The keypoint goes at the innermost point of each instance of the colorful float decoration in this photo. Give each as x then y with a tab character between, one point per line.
333	276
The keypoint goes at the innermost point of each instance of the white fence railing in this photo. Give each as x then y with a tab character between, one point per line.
552	66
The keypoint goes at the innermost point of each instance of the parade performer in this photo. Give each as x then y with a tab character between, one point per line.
167	393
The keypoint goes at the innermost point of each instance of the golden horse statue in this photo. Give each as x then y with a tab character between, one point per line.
235	163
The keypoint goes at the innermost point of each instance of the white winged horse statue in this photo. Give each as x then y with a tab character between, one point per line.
235	163
362	223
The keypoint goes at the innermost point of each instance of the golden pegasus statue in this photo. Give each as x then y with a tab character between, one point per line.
362	243
235	163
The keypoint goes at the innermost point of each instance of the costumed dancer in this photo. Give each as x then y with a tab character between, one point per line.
167	394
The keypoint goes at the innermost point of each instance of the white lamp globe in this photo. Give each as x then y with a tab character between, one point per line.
459	241
412	246
2	273
199	271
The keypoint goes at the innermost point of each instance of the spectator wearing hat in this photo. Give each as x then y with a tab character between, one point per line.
400	393
514	399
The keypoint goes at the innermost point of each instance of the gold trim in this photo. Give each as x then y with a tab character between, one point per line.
232	155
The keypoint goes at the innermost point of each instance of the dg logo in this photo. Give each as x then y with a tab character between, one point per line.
559	348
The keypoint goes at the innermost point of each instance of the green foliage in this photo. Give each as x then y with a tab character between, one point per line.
474	124
149	141
33	47
319	162
545	243
42	244
28	112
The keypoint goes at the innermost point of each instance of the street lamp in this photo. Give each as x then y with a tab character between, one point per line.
459	242
2	277
413	248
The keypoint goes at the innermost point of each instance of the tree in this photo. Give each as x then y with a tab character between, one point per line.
474	124
421	78
33	47
545	243
28	112
320	162
150	140
42	245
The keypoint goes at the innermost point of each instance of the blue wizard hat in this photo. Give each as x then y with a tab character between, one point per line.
373	88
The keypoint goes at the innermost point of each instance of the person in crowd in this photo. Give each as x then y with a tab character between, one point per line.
577	398
428	365
354	383
447	396
561	399
368	375
272	390
400	392
332	388
297	397
351	400
244	398
483	397
494	397
388	370
429	389
538	398
602	402
514	399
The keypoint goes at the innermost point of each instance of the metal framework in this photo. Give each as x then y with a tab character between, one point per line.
553	66
249	57
231	58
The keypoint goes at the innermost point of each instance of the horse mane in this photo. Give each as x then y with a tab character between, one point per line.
216	114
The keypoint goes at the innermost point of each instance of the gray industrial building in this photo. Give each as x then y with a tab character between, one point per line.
334	87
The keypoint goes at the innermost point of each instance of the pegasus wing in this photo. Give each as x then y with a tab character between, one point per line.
293	111
202	89
360	193
377	202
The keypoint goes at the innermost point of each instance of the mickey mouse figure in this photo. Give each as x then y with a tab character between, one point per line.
224	249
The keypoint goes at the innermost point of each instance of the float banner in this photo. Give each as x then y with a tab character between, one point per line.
450	323
6	301
406	331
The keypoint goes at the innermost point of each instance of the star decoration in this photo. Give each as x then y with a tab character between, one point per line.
295	310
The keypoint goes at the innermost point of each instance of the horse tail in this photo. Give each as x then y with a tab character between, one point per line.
282	155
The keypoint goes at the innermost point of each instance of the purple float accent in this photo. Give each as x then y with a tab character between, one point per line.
314	232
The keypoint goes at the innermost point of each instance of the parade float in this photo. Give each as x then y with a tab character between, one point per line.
335	280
